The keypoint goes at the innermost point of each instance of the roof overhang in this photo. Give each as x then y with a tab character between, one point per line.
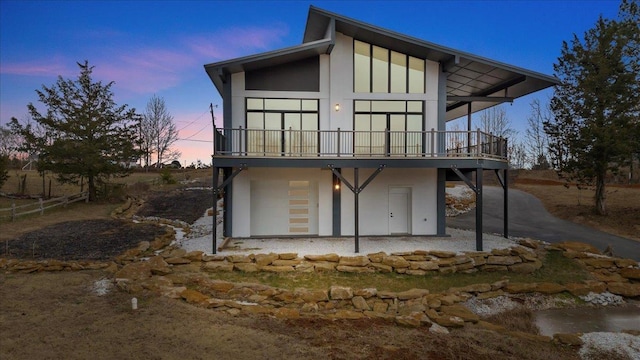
470	79
218	72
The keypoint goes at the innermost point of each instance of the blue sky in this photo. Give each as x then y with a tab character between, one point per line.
160	47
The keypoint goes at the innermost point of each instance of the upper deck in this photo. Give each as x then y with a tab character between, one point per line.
340	148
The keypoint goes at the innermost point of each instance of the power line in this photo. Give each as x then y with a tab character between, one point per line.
198	118
195	140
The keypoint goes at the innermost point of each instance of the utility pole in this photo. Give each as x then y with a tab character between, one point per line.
214	183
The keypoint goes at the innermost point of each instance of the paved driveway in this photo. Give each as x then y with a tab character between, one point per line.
528	218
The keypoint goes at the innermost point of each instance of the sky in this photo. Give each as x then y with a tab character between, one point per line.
160	47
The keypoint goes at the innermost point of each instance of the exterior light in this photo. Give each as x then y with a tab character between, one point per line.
337	186
337	107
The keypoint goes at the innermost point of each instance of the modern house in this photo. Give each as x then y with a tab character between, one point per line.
345	134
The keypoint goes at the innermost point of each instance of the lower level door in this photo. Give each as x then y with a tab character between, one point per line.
399	210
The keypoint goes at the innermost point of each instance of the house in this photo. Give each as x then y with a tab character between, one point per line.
345	134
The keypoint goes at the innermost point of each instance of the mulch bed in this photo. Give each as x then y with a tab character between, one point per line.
106	239
182	204
82	240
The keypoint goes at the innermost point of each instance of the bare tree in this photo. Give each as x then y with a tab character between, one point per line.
536	140
517	155
495	121
158	132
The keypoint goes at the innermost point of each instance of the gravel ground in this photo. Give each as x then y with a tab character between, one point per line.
620	343
459	241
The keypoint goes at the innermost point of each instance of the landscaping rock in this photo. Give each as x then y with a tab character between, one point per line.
340	293
354	261
328	257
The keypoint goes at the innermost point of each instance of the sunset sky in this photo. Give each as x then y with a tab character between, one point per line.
160	47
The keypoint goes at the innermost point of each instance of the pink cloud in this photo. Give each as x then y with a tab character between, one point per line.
51	67
234	42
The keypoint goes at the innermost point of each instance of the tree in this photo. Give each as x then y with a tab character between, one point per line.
536	140
158	132
595	130
86	135
4	166
495	121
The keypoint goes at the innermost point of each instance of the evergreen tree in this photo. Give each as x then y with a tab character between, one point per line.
595	128
85	134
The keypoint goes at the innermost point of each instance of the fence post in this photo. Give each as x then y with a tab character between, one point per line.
41	206
433	142
479	142
339	142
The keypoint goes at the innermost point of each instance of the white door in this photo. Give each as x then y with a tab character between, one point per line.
399	210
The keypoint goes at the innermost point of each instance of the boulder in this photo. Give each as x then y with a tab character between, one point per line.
288	256
265	259
286	313
194	297
366	293
460	311
503	260
381	267
376	257
354	261
177	261
246	267
135	271
324	266
340	293
623	263
195	255
397	262
219	285
624	289
526	267
159	266
327	257
412	294
630	273
442	254
423	265
380	307
360	303
549	288
313	296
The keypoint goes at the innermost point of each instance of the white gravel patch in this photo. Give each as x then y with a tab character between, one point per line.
101	287
460	241
617	343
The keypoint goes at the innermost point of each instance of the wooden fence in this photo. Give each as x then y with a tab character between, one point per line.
42	205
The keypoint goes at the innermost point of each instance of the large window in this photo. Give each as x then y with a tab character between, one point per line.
282	127
390	127
380	70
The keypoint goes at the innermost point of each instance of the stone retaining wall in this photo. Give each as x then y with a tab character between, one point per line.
176	273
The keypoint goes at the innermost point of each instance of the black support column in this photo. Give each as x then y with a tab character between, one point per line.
479	173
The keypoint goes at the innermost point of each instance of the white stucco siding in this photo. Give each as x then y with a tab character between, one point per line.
261	206
374	201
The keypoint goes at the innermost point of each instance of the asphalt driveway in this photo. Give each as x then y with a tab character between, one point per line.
529	218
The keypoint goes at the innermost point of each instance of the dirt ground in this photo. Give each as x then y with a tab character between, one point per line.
577	205
60	315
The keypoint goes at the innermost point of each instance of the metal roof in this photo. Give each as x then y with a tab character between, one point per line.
471	78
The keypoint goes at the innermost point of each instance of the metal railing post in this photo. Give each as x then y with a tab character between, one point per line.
339	142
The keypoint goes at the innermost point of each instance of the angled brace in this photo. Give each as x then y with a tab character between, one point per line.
230	178
500	178
465	179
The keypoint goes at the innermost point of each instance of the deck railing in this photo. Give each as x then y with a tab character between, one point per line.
345	143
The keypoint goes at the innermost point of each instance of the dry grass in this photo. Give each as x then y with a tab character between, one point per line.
576	205
517	319
556	269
